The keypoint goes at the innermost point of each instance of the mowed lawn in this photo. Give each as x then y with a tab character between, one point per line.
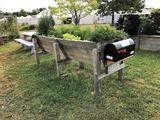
35	93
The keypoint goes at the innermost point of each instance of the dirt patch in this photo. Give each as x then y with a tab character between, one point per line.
6	83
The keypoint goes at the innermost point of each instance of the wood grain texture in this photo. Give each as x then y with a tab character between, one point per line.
75	50
57	57
35	51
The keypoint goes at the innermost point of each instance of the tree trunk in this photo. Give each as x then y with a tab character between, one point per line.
113	17
76	21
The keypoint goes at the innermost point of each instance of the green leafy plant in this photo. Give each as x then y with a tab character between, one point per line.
84	33
106	33
155	16
24	27
146	26
55	33
70	36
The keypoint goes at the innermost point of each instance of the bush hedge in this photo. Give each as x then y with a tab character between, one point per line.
133	24
155	16
146	26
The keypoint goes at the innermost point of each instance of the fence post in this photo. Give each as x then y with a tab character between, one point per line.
81	65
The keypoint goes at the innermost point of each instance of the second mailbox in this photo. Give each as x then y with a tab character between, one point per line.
119	50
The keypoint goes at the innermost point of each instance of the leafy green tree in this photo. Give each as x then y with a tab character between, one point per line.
76	8
109	7
1	12
36	11
23	13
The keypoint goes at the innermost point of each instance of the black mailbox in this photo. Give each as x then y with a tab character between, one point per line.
119	50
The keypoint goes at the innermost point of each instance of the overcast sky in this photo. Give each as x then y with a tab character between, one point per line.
28	5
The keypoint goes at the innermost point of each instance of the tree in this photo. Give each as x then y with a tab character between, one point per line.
109	7
1	12
76	8
36	11
23	13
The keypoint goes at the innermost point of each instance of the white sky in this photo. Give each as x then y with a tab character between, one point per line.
28	5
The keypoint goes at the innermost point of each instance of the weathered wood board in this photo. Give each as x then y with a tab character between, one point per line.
75	50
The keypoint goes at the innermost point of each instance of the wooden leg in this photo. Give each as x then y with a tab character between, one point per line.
97	86
81	65
34	51
96	71
57	57
121	74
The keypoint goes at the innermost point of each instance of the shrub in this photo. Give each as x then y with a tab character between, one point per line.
8	26
155	16
150	25
24	27
106	33
45	24
70	36
146	26
32	27
129	23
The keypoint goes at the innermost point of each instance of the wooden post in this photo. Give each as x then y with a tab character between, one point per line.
57	57
96	71
17	27
121	74
81	65
35	51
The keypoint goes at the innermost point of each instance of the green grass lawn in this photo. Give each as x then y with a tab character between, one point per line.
37	94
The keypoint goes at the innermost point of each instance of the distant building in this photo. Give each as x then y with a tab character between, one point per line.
90	19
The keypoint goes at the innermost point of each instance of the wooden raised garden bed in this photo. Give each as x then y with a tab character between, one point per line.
82	51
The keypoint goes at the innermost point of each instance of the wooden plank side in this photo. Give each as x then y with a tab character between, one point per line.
76	50
46	43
